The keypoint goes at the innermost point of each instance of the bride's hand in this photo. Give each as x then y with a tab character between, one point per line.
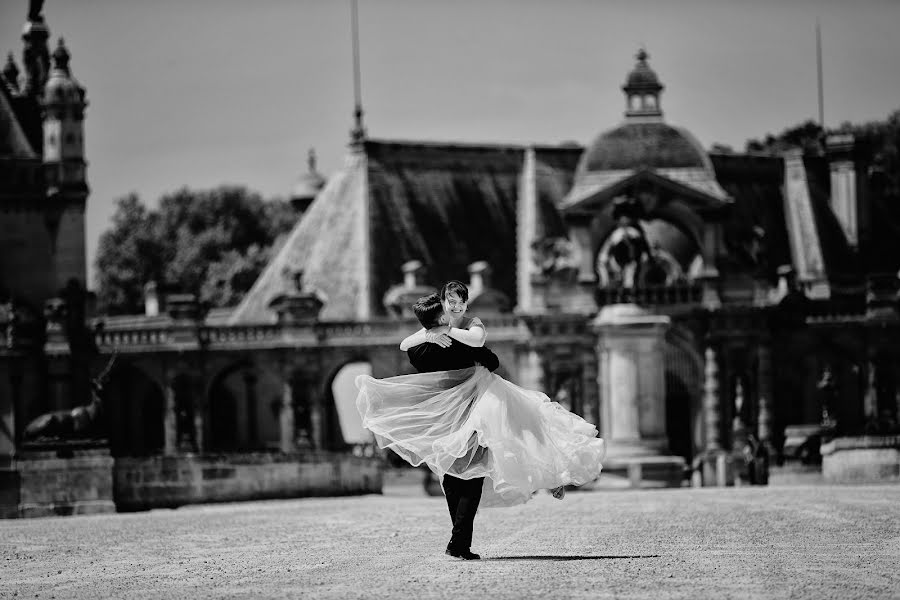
438	336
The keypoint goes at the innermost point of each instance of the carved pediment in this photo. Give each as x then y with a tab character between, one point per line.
695	188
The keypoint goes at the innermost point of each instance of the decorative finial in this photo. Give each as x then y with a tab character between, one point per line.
358	133
61	57
11	71
642	55
311	160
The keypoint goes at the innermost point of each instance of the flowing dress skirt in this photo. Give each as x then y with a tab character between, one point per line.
472	423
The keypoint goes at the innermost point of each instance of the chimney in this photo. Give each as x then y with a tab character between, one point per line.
839	150
151	299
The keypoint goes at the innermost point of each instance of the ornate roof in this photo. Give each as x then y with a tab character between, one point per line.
644	145
13	142
329	245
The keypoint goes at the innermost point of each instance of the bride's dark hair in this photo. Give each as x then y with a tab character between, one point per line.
455	287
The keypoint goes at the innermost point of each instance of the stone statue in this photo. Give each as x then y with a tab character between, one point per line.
555	257
35	7
626	252
79	423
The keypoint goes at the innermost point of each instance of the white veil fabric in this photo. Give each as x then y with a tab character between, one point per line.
471	423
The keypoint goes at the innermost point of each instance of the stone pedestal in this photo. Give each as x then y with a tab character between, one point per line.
631	351
64	481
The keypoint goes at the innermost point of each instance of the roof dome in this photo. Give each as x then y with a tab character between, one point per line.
636	145
61	87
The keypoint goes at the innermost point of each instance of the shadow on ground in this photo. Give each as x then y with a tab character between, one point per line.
570	557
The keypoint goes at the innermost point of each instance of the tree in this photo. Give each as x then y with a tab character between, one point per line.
877	143
806	136
212	243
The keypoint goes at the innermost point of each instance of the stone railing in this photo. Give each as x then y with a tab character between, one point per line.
132	337
242	334
655	295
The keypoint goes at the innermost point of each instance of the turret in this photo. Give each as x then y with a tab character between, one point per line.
63	122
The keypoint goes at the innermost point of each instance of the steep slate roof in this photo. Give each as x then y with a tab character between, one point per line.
13	142
756	183
447	205
841	263
329	245
554	175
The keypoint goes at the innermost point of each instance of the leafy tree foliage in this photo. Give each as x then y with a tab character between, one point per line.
213	243
877	143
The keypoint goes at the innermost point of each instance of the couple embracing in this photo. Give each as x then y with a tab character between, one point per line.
490	442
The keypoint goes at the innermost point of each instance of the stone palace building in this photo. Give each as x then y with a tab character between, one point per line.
714	314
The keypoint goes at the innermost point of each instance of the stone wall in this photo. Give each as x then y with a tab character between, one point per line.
48	483
861	459
170	481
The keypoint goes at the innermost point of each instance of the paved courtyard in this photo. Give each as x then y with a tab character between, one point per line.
781	542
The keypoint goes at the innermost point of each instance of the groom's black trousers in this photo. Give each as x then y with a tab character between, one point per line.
463	496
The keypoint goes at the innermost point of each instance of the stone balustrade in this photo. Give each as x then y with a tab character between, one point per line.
131	337
653	295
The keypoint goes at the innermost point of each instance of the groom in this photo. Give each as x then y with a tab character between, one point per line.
463	495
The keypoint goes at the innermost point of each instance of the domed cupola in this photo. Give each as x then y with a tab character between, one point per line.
661	169
644	140
61	90
64	104
308	185
642	89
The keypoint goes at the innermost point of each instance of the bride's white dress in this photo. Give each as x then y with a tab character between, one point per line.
472	423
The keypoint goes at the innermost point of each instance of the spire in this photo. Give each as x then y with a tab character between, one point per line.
642	90
35	56
358	133
308	185
11	73
61	57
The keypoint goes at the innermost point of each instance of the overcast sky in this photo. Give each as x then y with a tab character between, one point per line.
203	92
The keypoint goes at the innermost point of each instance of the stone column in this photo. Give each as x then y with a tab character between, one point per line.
170	419
316	416
200	408
532	370
632	385
711	408
250	404
716	468
286	419
589	389
632	379
764	387
870	402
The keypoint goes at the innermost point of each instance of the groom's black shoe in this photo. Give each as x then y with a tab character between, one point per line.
465	554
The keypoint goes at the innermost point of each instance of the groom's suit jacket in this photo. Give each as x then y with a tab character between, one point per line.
428	357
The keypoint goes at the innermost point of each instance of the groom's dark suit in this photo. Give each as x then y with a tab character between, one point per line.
463	495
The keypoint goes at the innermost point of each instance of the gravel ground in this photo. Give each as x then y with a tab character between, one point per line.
788	542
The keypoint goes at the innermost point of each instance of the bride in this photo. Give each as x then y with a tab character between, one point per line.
471	423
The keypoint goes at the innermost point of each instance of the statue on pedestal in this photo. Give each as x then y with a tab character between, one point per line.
78	424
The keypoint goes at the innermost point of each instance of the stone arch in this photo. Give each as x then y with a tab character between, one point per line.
341	424
243	403
135	410
684	406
